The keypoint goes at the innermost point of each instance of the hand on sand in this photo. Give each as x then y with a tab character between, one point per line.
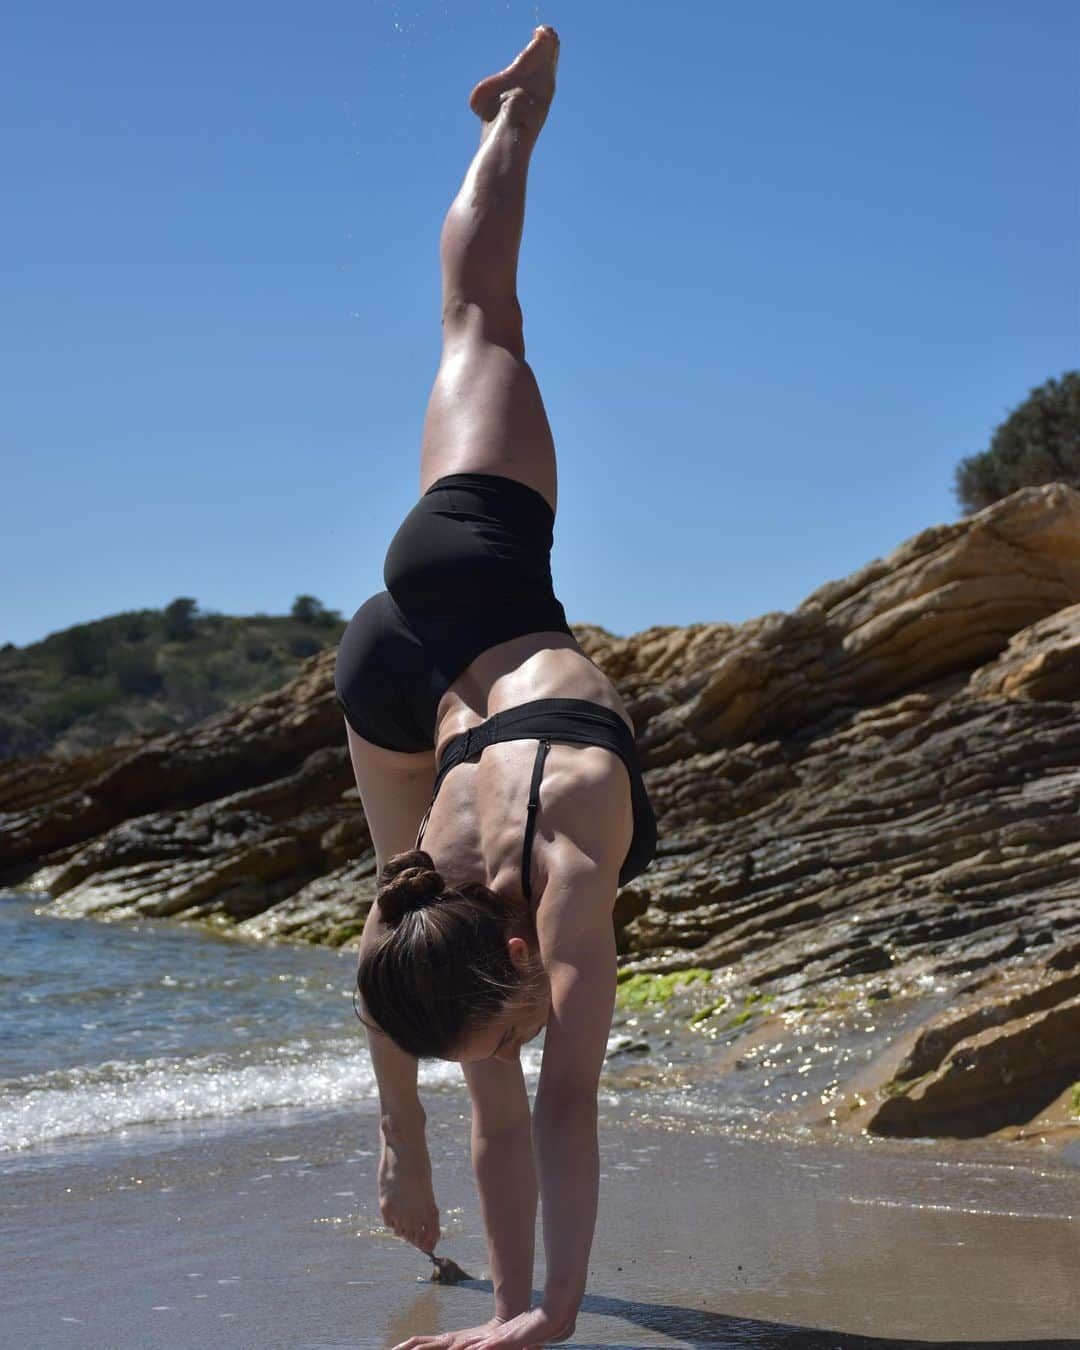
527	1331
406	1198
453	1340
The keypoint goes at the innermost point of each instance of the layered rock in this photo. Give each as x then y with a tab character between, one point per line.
882	785
1000	1058
53	805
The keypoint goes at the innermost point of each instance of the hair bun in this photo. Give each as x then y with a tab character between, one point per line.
408	883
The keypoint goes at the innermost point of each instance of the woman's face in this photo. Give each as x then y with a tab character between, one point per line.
503	1037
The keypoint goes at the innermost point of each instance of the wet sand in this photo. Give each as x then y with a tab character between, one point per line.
270	1237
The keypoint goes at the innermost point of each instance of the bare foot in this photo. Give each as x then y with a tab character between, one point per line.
532	71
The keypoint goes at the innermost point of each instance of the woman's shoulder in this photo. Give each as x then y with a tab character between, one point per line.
577	944
592	778
576	900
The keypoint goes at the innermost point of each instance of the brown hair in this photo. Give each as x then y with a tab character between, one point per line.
443	970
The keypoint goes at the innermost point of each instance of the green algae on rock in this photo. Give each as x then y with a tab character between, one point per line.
710	1010
640	989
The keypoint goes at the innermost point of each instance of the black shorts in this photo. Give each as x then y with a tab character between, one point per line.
469	568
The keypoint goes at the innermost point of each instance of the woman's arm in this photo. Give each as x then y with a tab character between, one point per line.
577	939
502	1152
406	1197
581	961
395	789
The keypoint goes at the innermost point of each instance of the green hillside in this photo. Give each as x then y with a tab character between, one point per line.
149	671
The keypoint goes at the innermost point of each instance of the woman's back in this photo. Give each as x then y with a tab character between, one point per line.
478	818
477	825
538	665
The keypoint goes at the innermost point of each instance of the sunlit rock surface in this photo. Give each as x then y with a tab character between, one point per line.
880	789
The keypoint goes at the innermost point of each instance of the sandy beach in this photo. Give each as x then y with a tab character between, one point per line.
269	1236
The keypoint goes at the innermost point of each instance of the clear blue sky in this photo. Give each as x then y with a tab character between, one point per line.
785	264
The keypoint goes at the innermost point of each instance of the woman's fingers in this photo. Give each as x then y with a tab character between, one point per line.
424	1233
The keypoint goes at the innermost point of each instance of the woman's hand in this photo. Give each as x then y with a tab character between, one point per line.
452	1340
524	1332
406	1199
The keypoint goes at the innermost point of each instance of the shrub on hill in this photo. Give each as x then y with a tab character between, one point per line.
148	671
1039	442
134	668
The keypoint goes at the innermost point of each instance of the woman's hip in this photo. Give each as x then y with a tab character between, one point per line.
468	570
470	538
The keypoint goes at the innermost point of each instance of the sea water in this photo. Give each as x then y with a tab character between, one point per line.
108	1029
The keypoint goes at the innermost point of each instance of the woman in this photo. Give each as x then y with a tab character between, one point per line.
479	728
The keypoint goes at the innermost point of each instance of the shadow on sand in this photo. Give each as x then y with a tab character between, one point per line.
692	1327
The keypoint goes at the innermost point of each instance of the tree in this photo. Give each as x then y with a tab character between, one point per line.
180	619
1039	442
306	609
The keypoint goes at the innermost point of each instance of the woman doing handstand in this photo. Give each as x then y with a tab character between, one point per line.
479	728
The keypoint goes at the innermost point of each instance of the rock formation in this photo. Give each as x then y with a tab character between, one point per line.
882	784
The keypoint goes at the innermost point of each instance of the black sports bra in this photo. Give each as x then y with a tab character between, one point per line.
571	721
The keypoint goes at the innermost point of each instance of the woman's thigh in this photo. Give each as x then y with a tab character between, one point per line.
395	789
486	415
386	681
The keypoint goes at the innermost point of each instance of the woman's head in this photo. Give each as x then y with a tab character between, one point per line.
458	968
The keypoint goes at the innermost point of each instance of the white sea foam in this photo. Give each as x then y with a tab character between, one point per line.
106	1029
106	1098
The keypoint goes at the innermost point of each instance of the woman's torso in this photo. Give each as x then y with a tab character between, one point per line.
475	828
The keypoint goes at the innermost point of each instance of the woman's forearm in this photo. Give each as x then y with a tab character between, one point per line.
506	1183
396	1077
568	1164
406	1198
395	1069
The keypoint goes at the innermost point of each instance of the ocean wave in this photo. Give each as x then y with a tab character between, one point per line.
106	1098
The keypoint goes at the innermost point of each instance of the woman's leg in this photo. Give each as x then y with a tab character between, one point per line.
486	414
